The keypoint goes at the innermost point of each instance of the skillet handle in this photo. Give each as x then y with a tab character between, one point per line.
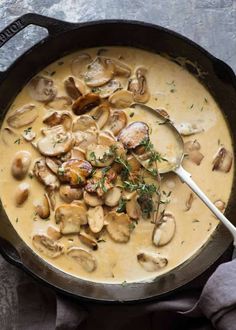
10	253
54	26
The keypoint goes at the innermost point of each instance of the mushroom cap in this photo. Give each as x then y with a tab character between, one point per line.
133	135
42	89
119	226
23	116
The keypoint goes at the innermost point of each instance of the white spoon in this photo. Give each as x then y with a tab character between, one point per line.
174	164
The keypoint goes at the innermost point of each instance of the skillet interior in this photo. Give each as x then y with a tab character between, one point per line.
64	38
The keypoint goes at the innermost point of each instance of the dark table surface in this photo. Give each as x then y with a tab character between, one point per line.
211	23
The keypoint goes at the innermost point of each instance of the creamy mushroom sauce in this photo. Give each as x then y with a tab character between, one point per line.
190	107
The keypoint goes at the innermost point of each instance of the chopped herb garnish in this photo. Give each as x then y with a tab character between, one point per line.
18	141
154	155
131	114
17	219
52	73
61	171
195	220
27	130
124	283
191	106
126	167
30	175
172	85
206	100
182	242
92	156
132	226
122	205
101	240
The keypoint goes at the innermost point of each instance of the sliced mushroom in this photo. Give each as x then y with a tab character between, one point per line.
47	246
100	155
108	89
70	217
59	118
189	202
55	144
187	129
151	262
23	116
134	134
191	148
121	99
121	69
92	199
138	86
9	136
84	258
42	89
222	160
69	194
74	171
106	139
95	217
116	122
85	139
44	175
112	197
79	65
43	207
133	163
83	123
220	205
101	114
72	90
101	181
119	226
99	72
22	193
132	207
53	233
88	240
52	130
85	103
60	103
20	164
77	153
51	197
164	230
53	164
29	135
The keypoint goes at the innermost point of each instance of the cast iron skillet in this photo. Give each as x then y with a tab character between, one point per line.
64	38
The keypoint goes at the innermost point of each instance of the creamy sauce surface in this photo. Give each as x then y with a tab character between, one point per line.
186	101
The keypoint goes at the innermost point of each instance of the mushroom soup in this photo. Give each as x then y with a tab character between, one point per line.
72	183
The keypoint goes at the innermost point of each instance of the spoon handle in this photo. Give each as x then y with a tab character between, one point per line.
186	178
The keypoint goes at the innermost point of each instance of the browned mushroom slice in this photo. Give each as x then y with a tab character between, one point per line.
132	207
99	72
42	89
74	171
22	193
121	69
83	123
70	217
191	148
77	153
88	240
59	118
121	99
116	122
164	230
134	134
92	199
99	155
151	262
85	103
163	113
47	246
53	164
101	181
20	164
79	65
72	90
133	163
84	258
84	139
43	207
108	89
53	233
23	116
68	194
106	139
44	175
119	226
55	144
95	217
100	114
222	161
138	86
60	103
